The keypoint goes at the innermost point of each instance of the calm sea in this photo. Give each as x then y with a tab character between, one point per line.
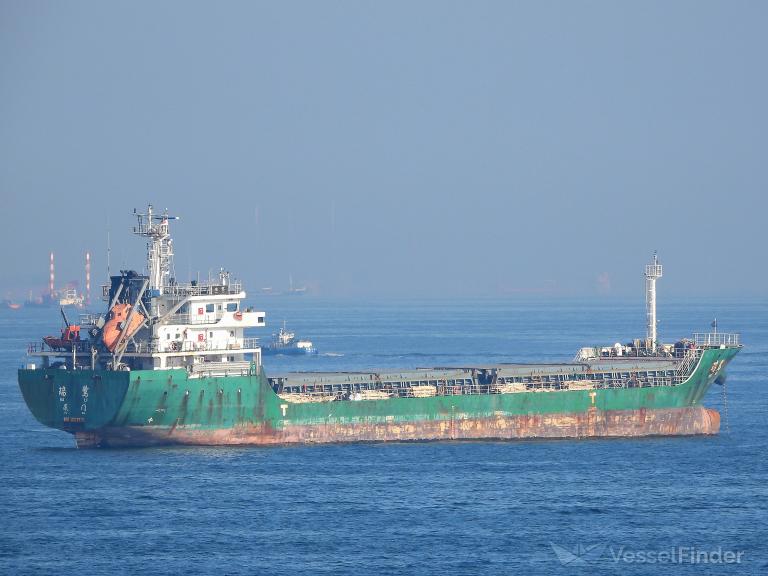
539	507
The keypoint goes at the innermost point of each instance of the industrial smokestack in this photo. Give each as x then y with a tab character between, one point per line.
87	277
50	284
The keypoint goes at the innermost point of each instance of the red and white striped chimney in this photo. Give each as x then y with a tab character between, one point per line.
87	277
50	284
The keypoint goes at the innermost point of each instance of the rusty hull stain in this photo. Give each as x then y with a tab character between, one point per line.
591	424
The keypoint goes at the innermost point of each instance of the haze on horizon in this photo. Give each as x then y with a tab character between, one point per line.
395	148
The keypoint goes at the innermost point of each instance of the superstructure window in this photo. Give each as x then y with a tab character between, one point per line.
231	306
209	308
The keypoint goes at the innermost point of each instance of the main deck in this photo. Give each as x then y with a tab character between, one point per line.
609	367
487	379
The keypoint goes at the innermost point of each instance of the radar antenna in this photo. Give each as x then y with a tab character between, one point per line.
159	246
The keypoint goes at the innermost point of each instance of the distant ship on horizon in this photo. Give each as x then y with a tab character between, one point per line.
292	290
45	300
11	304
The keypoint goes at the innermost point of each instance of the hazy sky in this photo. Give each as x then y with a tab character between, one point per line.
388	148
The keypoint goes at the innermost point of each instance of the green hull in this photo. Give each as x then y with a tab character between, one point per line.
135	408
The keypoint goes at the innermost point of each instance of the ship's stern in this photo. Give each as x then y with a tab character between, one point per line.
76	401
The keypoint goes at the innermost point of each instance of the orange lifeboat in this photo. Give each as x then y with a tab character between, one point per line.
115	327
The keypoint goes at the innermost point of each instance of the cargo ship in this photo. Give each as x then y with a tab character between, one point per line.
170	363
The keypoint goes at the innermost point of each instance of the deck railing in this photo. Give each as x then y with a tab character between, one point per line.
688	362
192	320
343	391
88	319
80	346
185	290
212	369
203	289
84	346
174	346
716	339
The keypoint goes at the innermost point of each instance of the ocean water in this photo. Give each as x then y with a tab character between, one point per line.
624	506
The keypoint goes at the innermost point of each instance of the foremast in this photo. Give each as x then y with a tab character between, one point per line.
652	273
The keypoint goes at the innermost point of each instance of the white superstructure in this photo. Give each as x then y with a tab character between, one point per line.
196	326
155	323
200	327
